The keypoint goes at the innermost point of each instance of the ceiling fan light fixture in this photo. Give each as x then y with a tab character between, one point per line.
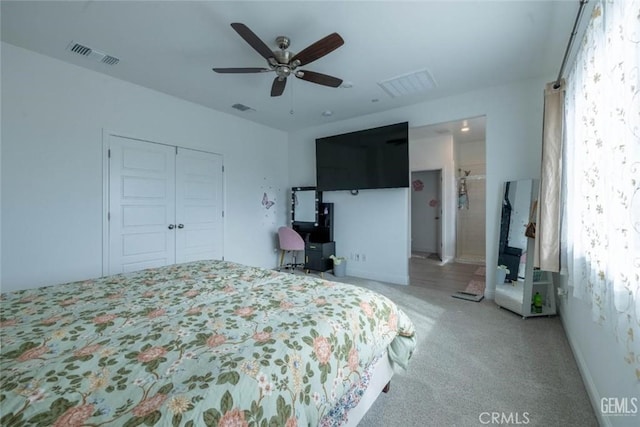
284	62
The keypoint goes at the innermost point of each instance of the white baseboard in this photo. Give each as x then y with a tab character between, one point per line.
388	278
592	391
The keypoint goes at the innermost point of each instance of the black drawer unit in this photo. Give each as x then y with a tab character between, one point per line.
317	256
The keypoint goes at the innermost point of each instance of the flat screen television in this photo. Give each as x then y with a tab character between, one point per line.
366	159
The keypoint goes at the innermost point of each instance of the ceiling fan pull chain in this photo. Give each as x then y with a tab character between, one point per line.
291	111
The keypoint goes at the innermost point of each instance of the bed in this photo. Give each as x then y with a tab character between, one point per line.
200	343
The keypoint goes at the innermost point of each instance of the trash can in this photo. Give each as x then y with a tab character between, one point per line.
340	268
501	275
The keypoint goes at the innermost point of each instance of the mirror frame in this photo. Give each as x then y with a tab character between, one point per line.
318	200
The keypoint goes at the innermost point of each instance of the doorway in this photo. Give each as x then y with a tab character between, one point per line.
450	149
470	160
471	218
426	212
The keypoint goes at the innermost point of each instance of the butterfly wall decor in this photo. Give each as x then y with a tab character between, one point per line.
266	202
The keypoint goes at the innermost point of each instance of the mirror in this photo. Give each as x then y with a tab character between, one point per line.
512	246
304	204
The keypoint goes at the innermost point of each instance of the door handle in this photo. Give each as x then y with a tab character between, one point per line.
171	226
180	225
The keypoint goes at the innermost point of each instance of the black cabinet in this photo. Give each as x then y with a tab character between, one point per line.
317	256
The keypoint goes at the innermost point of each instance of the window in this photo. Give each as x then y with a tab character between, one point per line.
602	172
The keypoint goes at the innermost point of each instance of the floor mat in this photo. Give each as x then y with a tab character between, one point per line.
425	255
475	287
468	296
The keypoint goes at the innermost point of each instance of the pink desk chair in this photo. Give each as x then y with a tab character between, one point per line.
290	241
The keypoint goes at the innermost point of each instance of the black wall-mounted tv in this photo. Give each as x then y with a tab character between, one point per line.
366	159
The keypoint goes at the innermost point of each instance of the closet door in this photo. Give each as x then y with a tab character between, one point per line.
141	205
198	205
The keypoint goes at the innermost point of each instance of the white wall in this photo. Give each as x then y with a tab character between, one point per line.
437	153
514	128
360	216
600	358
1	134
52	120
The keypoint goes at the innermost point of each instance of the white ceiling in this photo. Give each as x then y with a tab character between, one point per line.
171	46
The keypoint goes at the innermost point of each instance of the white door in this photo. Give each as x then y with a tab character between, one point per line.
141	205
198	205
438	218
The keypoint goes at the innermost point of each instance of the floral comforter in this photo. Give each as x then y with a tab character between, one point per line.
202	343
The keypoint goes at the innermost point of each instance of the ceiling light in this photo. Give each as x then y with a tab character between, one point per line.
346	85
327	113
465	127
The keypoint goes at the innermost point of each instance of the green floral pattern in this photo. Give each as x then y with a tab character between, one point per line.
202	343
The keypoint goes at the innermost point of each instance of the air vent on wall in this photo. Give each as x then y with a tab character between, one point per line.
90	53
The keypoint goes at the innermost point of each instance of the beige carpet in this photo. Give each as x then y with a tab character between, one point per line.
473	359
477	358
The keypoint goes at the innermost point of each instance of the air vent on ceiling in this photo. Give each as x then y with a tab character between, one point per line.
242	107
90	53
409	84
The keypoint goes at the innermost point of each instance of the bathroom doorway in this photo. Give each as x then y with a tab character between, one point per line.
470	160
426	214
452	148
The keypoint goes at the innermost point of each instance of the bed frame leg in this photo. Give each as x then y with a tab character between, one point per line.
387	387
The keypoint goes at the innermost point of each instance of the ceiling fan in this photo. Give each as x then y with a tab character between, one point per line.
285	62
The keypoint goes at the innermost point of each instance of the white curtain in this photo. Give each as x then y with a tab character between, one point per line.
602	172
548	215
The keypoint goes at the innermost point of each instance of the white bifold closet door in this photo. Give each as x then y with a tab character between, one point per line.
165	205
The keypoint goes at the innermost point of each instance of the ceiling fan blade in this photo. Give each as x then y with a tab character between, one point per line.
240	70
253	40
319	78
278	86
319	49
